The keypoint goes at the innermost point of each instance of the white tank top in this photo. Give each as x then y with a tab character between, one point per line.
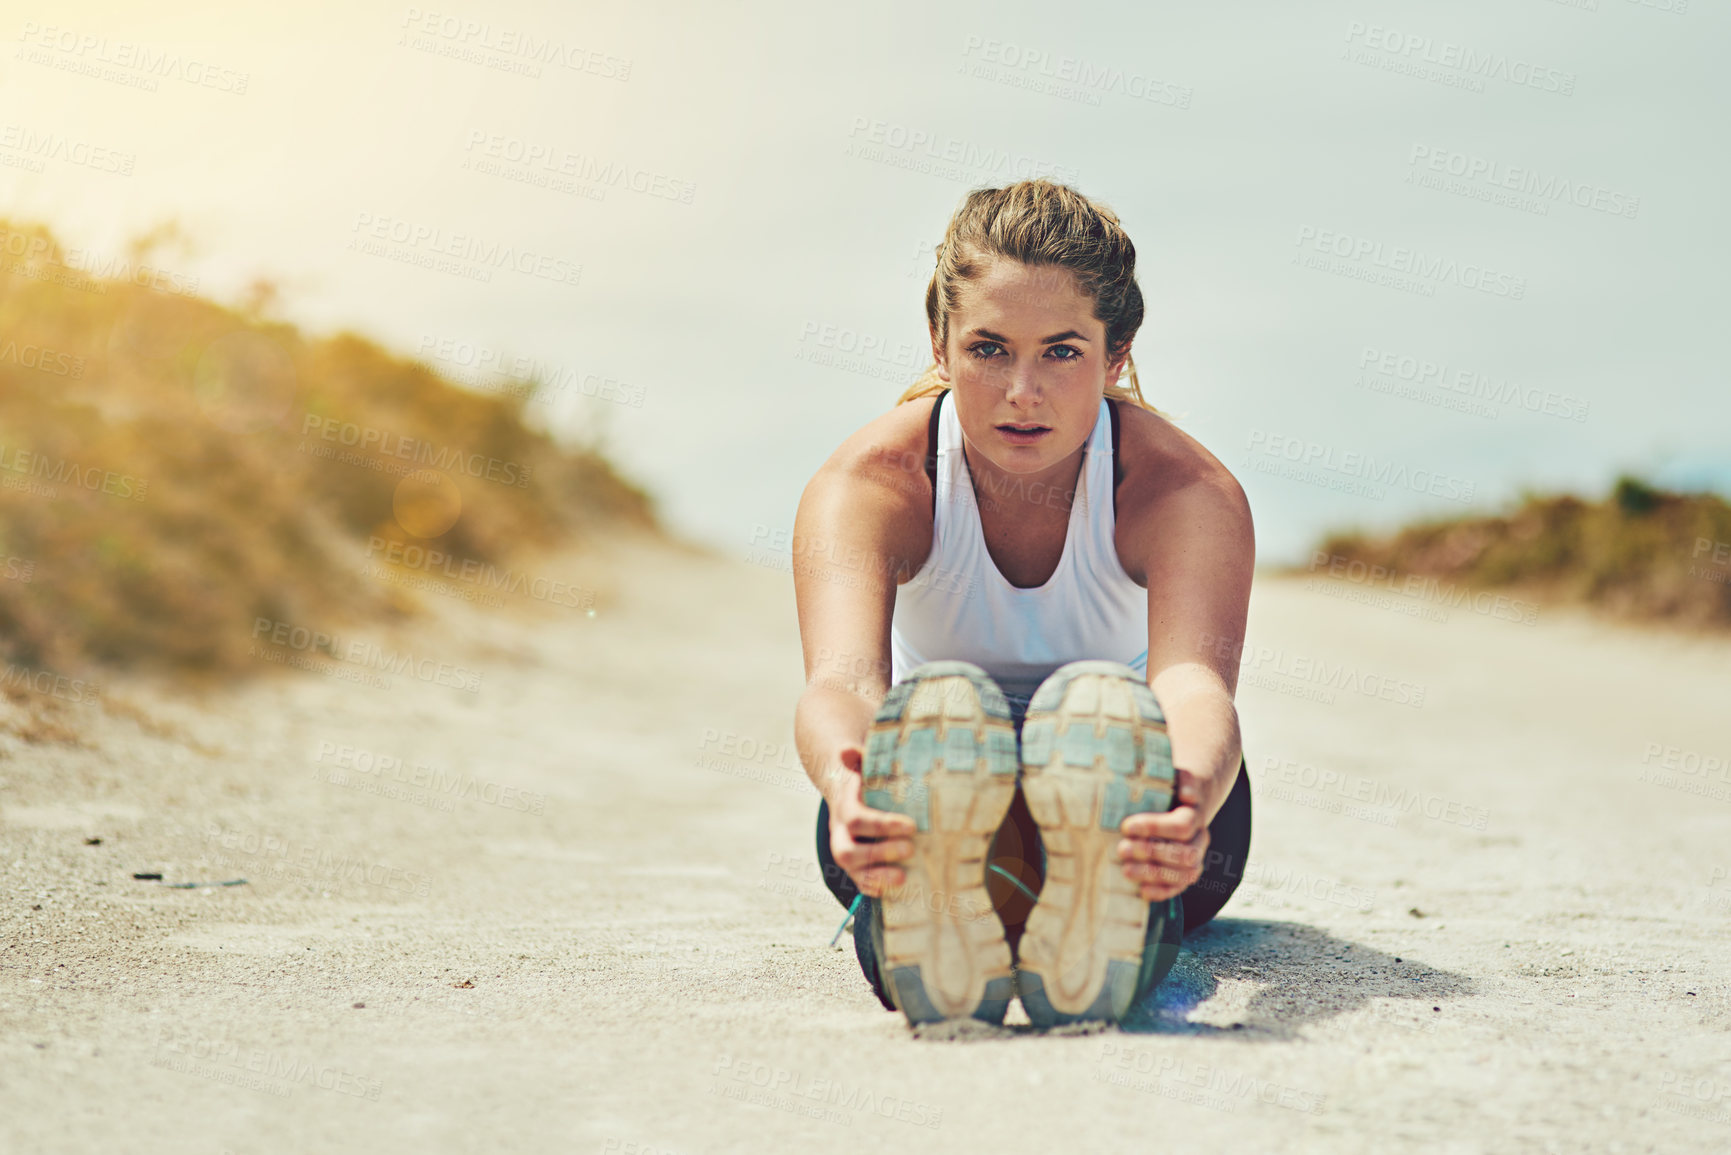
960	606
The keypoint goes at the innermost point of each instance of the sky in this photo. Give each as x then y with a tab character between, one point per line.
1402	259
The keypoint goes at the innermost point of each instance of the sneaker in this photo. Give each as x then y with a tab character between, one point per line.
1094	750
942	750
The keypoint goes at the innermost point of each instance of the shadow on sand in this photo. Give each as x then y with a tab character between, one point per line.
1304	976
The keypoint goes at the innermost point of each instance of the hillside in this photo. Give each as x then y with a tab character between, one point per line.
1640	553
173	470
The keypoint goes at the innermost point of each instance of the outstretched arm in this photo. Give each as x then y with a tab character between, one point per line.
1200	556
863	522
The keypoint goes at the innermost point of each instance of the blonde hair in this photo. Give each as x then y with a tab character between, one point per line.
1044	225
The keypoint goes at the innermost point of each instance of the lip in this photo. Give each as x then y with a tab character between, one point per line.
1026	435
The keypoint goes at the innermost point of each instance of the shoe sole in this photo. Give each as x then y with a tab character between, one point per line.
1094	750
942	750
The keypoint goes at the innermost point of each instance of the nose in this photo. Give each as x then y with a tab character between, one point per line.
1022	384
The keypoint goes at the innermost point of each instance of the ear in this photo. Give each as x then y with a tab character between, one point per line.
1115	367
938	356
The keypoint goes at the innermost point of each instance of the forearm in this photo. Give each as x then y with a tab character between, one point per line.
827	721
1202	722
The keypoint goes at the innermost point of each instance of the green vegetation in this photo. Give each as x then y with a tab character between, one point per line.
1640	553
172	470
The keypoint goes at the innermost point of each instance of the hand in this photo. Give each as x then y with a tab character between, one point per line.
866	842
1164	853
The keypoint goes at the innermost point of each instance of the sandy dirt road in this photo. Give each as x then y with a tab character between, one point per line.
578	909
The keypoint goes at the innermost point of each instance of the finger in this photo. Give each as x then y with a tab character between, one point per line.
878	879
1157	872
865	823
1180	825
865	854
1154	892
1184	854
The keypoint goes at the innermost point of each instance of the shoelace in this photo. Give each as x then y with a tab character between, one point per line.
859	898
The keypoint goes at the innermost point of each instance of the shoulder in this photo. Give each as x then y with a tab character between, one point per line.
885	460
1173	486
873	490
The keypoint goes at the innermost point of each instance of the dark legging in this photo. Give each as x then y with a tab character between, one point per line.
1222	871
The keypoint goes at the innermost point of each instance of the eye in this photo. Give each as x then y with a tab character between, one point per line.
1070	352
985	350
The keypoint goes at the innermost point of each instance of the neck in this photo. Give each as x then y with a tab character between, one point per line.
1051	488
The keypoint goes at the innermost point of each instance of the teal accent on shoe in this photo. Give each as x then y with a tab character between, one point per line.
1160	947
1120	750
1157	747
881	746
919	752
906	761
1037	739
961	751
1013	881
846	918
1115	806
1079	746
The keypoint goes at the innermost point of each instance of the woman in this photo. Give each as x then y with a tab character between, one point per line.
1021	595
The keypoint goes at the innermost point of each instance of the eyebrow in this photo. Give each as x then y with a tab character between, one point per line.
1066	335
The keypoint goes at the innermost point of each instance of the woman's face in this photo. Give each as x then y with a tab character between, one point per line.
1026	362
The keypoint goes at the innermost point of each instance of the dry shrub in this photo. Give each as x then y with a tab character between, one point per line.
1640	553
161	483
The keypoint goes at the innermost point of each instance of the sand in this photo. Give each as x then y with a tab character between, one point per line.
578	909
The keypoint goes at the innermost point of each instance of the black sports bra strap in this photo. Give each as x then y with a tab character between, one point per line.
932	450
1117	461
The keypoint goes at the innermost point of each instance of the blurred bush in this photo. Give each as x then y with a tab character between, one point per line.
172	469
1640	553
